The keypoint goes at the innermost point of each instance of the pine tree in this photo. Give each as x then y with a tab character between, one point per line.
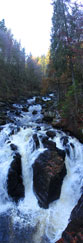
66	40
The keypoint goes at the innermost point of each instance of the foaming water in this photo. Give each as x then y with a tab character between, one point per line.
24	141
6	157
49	222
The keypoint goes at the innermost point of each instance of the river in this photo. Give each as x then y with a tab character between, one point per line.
26	221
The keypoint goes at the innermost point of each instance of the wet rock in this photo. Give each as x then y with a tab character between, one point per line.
58	124
17	113
47	119
12	132
64	139
51	134
3	117
72	145
40	180
77	216
48	116
69	128
48	173
74	231
55	184
48	143
52	146
36	140
38	128
25	109
2	121
34	112
61	153
15	185
13	146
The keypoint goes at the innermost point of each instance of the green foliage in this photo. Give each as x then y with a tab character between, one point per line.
68	106
66	57
66	53
19	74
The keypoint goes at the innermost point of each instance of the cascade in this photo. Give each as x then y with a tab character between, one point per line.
50	222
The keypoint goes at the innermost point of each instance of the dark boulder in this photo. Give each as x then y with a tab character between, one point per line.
38	128
47	119
48	173
48	143
15	185
40	182
55	185
36	140
25	109
34	112
51	134
74	231
13	146
52	146
17	113
61	153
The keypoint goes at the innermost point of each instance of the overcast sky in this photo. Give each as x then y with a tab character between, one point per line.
30	22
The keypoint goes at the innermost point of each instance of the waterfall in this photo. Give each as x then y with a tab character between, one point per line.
49	222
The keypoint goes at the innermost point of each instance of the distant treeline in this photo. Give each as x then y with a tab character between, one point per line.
20	75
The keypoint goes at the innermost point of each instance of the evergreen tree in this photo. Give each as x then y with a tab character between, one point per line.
19	75
60	35
2	25
66	57
65	38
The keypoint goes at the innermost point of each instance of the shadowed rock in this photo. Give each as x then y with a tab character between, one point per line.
15	185
34	112
13	146
74	231
36	140
51	134
48	173
64	139
25	109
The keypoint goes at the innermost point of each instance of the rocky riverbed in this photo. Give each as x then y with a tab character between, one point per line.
41	169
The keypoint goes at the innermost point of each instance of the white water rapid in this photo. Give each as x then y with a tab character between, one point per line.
49	222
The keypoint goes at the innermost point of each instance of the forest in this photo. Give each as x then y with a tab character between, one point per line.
60	71
41	130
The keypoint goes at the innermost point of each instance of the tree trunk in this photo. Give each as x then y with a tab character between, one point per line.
74	85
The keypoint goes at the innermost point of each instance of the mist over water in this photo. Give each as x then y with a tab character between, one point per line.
47	224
